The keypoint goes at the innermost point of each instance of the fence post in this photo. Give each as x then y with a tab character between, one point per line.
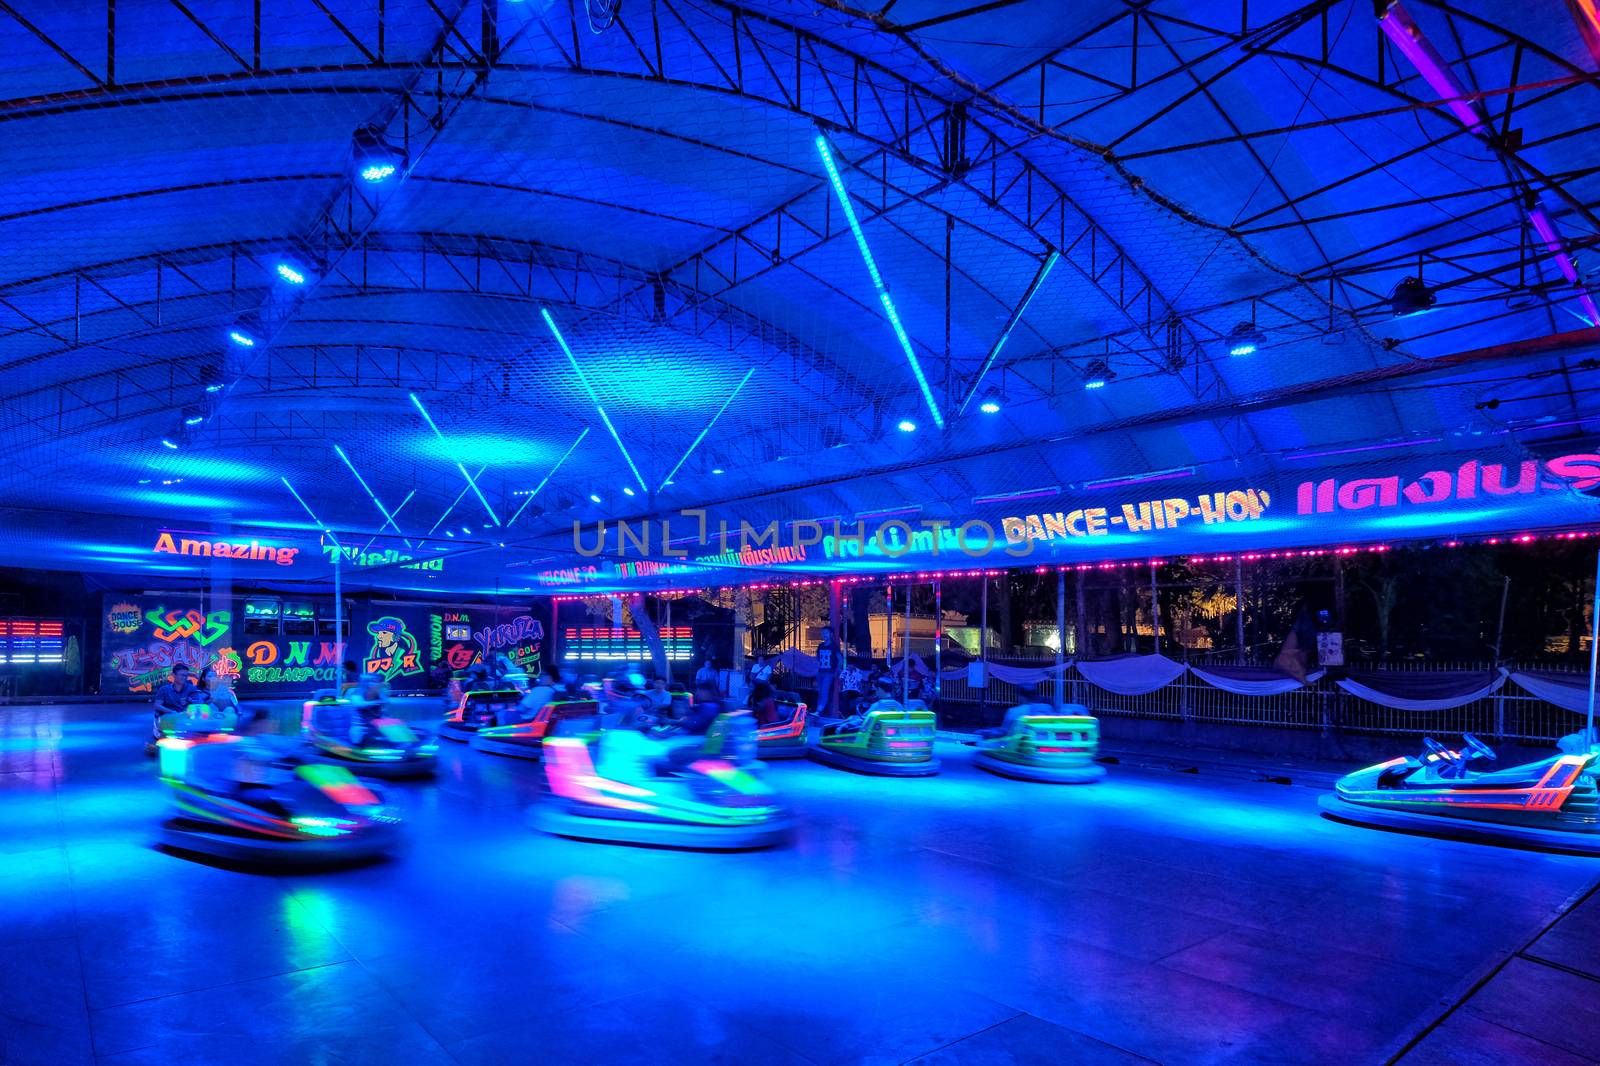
1061	633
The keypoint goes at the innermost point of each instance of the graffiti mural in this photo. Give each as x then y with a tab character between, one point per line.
394	650
204	629
521	640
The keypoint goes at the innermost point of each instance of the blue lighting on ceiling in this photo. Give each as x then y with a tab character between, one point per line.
877	279
702	435
906	426
1011	324
241	338
168	442
594	497
989	407
1243	348
1095	383
598	406
307	506
290	274
215	388
718	470
471	481
480	449
194	420
377	172
626	491
388	518
546	479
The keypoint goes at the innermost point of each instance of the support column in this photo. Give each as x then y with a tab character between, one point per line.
938	642
1238	600
983	645
647	629
905	658
1155	608
555	634
1061	635
888	626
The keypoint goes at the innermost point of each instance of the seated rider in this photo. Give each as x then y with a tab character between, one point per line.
883	700
351	678
707	705
541	693
1027	704
764	704
660	699
175	696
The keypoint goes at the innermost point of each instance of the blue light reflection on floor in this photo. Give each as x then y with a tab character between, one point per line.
1180	918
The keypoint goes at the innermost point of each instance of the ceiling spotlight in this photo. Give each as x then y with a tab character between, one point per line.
193	420
1411	296
1244	339
718	470
292	274
626	491
906	426
449	532
376	160
1098	374
168	442
594	497
215	387
241	337
990	406
467	530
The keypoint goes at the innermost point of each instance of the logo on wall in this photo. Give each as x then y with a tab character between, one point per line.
203	629
394	650
124	618
227	664
522	637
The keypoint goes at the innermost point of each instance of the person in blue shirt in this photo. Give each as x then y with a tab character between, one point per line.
174	696
1027	704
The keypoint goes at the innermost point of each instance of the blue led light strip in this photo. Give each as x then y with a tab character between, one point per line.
598	406
373	539
877	278
388	518
494	519
307	506
1011	324
736	390
548	476
455	501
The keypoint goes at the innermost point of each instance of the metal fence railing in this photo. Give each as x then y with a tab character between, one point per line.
1509	714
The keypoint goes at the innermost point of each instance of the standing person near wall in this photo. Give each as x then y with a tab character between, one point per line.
827	670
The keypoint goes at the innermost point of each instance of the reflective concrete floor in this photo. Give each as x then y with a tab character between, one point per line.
961	919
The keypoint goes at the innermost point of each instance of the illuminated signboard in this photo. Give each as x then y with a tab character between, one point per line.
623	644
203	545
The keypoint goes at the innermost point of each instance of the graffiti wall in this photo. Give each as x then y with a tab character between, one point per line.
283	652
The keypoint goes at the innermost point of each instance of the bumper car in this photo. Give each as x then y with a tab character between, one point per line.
478	709
198	721
785	739
622	786
244	800
888	743
1056	748
525	740
1551	804
340	734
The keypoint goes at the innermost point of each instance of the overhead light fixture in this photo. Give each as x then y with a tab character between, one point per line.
878	283
449	532
594	497
467	530
1098	374
168	442
906	426
718	470
626	491
193	420
990	406
376	160
1244	339
242	337
1411	296
215	387
290	273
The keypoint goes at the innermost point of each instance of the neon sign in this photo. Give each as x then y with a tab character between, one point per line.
1237	505
252	550
1330	495
385	557
394	650
205	629
124	618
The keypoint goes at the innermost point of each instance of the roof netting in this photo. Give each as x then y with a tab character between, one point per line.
611	276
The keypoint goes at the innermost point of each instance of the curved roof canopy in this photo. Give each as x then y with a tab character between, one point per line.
501	266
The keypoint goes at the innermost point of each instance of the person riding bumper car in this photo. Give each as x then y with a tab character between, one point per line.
479	708
355	733
199	721
246	800
886	740
627	786
526	739
1048	747
1551	804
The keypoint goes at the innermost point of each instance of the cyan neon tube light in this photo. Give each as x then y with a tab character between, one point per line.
877	279
453	503
736	389
471	481
598	406
571	448
1011	324
388	518
304	504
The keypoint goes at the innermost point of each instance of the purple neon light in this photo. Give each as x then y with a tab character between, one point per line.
1025	494
1546	227
1399	27
1160	475
1365	448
